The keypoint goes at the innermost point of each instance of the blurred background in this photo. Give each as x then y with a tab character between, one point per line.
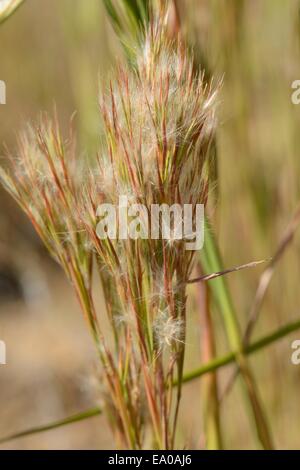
57	52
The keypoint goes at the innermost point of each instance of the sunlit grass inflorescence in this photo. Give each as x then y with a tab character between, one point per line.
159	122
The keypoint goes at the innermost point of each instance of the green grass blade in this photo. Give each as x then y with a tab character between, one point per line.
136	12
133	9
211	261
211	366
55	425
230	358
112	13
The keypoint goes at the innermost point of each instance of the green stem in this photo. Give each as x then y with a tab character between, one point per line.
54	425
231	357
193	375
210	398
211	262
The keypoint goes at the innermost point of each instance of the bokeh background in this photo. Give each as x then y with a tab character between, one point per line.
57	52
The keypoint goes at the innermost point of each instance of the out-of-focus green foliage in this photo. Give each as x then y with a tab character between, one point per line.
129	18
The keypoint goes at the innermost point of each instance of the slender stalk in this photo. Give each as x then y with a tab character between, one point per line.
54	425
211	366
251	349
263	285
211	261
